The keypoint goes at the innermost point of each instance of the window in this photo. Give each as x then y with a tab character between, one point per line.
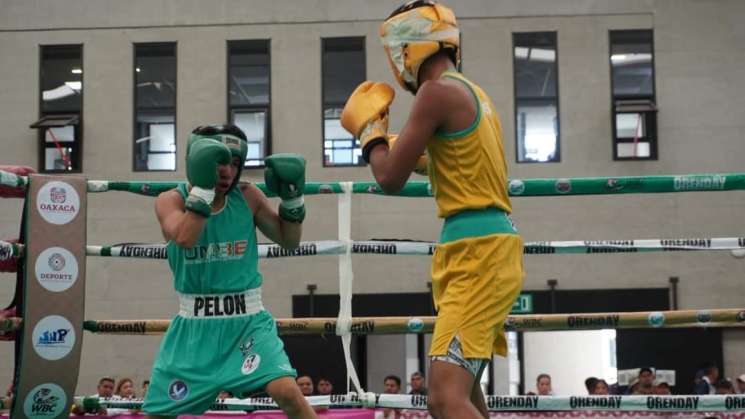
536	97
634	106
155	107
60	109
249	96
343	69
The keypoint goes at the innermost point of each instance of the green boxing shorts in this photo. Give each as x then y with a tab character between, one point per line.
217	342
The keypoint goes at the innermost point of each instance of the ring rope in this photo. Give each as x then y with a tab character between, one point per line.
408	248
707	403
517	187
425	248
397	325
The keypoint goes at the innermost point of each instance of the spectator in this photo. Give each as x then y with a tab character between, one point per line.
646	382
711	376
600	388
105	389
224	394
741	384
543	385
662	389
125	388
590	384
391	385
417	384
724	387
324	386
145	385
306	385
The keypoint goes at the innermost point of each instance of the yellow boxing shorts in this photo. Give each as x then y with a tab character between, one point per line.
477	273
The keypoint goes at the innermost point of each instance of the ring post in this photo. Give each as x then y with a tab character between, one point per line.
53	297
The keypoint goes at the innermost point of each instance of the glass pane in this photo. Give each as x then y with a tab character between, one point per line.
630	125
253	124
60	134
55	159
343	68
342	156
154	133
61	78
162	137
537	132
631	63
155	75
339	146
535	65
333	130
248	72
161	161
627	150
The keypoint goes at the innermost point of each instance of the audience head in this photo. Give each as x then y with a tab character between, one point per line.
417	381
392	384
105	387
306	384
543	384
711	371
724	387
646	377
125	388
600	388
324	386
662	388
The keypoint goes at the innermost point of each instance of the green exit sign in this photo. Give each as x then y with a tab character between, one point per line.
523	304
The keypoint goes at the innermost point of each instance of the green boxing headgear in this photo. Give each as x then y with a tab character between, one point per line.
228	134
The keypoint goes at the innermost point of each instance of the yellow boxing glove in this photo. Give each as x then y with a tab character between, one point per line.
366	114
422	163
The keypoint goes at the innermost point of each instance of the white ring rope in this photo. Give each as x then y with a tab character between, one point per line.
708	403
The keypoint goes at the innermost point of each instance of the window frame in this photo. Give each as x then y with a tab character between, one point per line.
76	154
135	108
616	101
517	99
335	105
267	108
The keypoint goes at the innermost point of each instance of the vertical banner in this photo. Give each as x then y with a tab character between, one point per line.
54	297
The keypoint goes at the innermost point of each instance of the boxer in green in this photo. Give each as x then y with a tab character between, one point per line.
222	338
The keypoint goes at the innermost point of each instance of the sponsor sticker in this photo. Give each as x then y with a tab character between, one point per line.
250	364
177	390
53	337
415	324
46	400
703	316
57	202
516	187
563	185
656	319
56	269
740	316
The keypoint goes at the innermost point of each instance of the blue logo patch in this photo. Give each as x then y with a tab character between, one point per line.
177	390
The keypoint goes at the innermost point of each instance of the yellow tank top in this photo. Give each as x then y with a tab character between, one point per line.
467	168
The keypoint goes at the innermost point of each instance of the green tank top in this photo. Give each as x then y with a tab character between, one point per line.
225	257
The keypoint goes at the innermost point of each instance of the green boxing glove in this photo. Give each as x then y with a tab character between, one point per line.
201	170
285	176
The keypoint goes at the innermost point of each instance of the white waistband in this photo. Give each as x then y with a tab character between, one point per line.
232	304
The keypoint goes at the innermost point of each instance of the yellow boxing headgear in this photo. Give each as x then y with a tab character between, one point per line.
414	32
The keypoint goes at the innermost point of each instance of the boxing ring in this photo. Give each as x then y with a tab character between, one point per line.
345	326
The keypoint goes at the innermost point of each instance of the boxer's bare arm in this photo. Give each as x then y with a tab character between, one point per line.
177	224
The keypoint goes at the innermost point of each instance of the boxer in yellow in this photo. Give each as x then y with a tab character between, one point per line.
477	269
